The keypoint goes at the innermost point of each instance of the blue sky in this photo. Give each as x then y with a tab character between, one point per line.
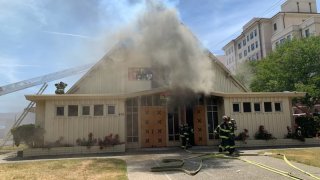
38	37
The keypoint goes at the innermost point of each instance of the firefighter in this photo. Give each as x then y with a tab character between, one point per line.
226	134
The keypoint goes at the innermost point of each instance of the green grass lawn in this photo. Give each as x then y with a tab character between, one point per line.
309	156
66	169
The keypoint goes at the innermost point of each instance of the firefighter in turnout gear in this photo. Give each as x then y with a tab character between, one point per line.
226	134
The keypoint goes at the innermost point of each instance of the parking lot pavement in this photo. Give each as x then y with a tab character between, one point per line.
139	168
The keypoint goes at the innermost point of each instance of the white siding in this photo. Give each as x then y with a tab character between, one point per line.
72	128
274	122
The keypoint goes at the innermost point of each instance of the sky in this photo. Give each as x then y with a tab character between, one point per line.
38	37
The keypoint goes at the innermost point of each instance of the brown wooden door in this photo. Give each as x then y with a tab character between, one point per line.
153	126
199	125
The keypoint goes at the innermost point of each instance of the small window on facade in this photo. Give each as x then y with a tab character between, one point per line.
239	46
256	44
257	55
307	32
72	110
248	38
248	49
111	109
289	37
277	107
85	110
257	107
244	42
251	35
255	33
98	110
245	52
236	107
60	111
252	46
246	107
275	26
267	107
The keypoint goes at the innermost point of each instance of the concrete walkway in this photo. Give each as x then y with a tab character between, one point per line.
140	162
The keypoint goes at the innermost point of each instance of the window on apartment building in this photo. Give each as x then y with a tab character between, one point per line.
256	44
255	33
240	55
275	26
245	53
248	38
252	46
60	111
73	110
251	35
173	125
239	45
289	37
132	125
267	107
248	49
236	107
307	32
244	42
257	56
111	109
98	110
85	110
246	107
277	107
257	107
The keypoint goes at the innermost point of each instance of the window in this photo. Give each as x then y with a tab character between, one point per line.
256	44
257	56
267	107
173	125
245	52
283	40
240	55
246	107
277	107
248	38
212	115
252	46
255	33
60	111
257	107
248	49
85	110
307	32
236	107
146	101
244	42
132	126
111	109
289	37
239	46
251	35
72	110
275	26
98	110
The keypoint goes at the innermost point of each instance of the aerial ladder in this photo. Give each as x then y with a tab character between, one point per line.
34	82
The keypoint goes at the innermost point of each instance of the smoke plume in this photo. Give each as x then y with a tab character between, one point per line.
158	39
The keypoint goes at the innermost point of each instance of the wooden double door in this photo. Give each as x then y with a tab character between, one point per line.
199	125
153	126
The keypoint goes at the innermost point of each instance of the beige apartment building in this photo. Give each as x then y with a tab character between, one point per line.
297	19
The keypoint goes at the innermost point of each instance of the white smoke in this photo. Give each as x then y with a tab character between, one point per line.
159	39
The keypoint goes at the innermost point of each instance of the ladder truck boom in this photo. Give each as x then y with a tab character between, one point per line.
42	79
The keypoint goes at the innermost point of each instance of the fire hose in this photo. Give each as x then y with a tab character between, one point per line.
179	163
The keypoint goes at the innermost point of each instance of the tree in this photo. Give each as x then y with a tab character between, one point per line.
293	66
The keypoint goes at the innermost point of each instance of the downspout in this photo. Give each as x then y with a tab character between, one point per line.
283	21
260	38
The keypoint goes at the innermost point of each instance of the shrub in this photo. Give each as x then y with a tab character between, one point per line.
29	133
263	134
309	125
